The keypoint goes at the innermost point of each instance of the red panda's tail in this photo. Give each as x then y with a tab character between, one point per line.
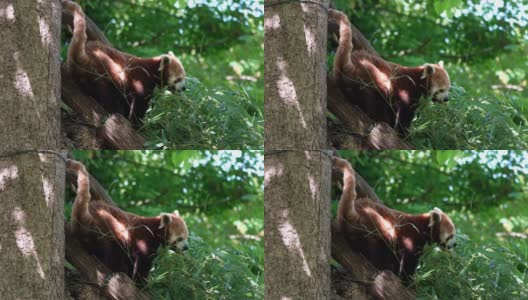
342	56
346	203
77	51
80	212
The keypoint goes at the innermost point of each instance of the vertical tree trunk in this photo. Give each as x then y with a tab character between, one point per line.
32	222
295	75
31	184
30	74
297	170
297	225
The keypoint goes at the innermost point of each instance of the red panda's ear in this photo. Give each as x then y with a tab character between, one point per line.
165	61
165	220
435	216
429	70
177	213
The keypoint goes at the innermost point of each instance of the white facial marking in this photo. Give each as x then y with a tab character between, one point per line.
173	240
442	96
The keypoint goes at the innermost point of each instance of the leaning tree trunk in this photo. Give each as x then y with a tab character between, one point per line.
32	222
30	74
297	169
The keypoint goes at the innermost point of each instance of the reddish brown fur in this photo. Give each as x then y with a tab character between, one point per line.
385	91
124	242
119	82
388	238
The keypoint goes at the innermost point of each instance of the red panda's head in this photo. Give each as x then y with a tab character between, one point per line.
172	72
437	82
176	233
442	228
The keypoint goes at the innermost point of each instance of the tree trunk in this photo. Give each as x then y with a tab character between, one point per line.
295	69
31	184
297	182
30	74
297	225
32	222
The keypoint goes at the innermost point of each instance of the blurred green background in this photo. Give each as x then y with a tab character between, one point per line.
221	45
220	196
486	196
484	45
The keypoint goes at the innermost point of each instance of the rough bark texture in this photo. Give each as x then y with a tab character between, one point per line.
31	218
297	223
116	286
29	74
297	182
295	88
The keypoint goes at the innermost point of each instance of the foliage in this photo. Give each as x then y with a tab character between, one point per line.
220	45
220	196
473	272
208	273
203	119
483	265
442	178
484	45
485	195
470	122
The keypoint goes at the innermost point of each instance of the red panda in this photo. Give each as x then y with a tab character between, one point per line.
389	239
124	242
119	82
385	91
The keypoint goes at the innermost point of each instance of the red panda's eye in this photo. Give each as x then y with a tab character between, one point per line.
178	80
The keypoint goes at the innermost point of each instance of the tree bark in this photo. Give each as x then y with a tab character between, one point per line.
297	223
32	220
30	74
31	184
115	286
294	70
297	210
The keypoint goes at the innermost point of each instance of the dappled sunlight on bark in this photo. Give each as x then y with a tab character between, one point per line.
273	171
24	240
22	84
7	12
8	172
286	89
290	239
272	22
